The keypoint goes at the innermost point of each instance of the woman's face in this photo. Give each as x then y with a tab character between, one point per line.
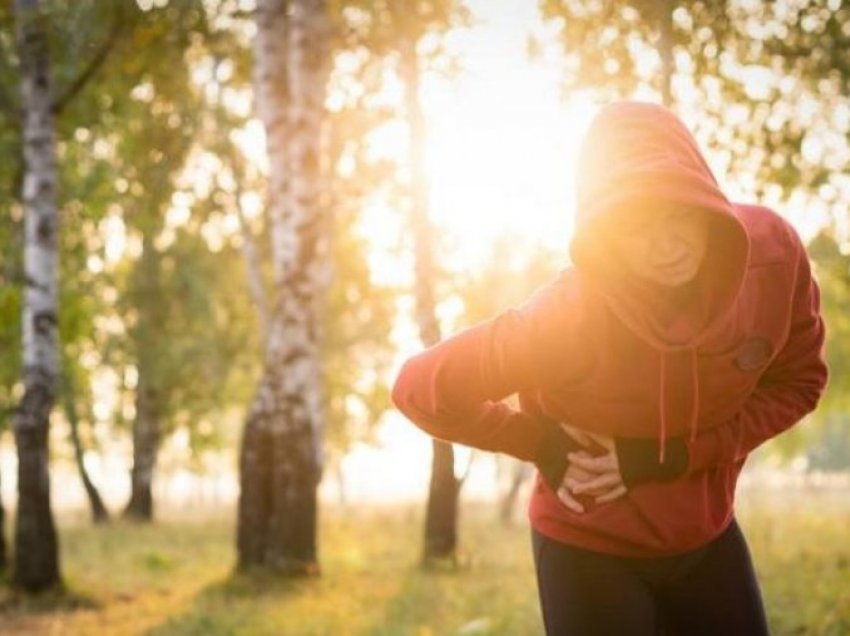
662	242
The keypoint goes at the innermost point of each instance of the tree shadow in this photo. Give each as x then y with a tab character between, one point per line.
412	602
253	585
430	588
61	599
265	602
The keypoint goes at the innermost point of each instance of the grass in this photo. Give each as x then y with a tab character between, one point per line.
176	577
801	548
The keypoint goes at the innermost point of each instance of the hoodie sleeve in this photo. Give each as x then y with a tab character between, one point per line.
789	389
453	389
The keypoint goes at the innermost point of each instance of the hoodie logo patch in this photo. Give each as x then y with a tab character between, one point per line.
754	353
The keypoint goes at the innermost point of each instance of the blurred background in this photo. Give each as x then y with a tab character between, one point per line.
225	223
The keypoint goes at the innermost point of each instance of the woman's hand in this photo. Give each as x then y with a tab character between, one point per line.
574	474
588	474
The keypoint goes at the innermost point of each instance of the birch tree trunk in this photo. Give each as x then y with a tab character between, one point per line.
146	429
98	509
36	565
280	460
440	540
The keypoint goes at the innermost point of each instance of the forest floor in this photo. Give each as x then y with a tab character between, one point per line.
175	577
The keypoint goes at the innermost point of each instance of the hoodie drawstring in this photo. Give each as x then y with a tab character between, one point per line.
695	393
662	427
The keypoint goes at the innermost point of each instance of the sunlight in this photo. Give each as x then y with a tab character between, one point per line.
502	140
500	143
500	160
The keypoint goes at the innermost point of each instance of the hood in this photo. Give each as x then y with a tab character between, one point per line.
634	153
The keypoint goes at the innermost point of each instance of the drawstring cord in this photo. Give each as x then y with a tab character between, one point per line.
662	412
662	428
695	393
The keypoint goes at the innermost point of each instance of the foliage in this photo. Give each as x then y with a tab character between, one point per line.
11	228
125	137
830	449
760	81
826	439
832	271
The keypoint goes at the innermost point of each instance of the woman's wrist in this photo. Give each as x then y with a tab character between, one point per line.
551	455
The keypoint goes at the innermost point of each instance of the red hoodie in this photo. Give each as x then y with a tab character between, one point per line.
741	362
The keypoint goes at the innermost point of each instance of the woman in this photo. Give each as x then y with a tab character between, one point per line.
687	333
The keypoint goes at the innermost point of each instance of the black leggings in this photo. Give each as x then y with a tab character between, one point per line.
711	590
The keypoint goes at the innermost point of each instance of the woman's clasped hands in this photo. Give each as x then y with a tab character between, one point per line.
593	471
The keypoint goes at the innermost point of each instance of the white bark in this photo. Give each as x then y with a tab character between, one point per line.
40	216
281	456
306	262
36	550
256	287
270	89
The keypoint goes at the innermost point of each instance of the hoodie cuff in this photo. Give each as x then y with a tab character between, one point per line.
551	455
638	459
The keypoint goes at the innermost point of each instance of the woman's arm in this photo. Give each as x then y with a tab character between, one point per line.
453	390
789	389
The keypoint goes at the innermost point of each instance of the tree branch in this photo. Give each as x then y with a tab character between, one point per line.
466	470
252	260
94	64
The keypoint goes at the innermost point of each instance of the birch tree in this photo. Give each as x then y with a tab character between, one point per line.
280	458
441	513
169	298
31	244
36	544
393	30
410	25
357	311
149	409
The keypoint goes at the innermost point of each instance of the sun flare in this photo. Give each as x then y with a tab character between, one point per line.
501	146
